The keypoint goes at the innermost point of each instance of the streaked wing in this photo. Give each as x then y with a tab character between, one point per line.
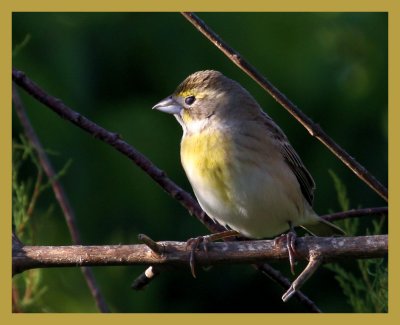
305	179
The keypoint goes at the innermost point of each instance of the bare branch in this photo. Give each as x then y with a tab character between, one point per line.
356	213
145	278
59	193
177	253
157	249
314	129
276	276
314	263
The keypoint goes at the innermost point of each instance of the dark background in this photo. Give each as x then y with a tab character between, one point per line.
113	67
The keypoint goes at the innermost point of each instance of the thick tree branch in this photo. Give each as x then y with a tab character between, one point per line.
60	195
177	253
314	129
315	249
146	277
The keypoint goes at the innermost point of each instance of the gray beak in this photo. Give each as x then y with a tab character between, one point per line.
168	105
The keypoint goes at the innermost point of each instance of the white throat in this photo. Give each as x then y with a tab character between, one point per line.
194	127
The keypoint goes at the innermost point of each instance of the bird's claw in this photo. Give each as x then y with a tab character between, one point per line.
290	241
194	244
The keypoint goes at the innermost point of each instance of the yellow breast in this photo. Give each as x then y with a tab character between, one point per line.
205	158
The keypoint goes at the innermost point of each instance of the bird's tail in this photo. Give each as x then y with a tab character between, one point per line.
323	228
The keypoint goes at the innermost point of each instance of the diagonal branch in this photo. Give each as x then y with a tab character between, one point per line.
60	196
314	129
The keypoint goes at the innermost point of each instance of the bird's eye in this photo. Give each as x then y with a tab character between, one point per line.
190	100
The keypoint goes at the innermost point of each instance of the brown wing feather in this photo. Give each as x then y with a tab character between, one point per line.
306	181
307	184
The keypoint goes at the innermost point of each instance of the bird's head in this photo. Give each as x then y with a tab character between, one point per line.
205	97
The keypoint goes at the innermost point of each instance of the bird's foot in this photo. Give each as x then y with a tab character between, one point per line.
195	244
290	240
202	242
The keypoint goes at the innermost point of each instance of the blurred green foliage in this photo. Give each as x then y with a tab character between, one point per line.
27	287
366	284
113	67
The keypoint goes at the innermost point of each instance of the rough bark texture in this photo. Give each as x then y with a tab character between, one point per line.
177	253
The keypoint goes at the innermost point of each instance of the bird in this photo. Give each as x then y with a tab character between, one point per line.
242	168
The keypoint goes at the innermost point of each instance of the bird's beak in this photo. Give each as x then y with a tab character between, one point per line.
168	105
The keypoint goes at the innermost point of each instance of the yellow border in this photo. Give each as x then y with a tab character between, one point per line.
8	6
394	136
5	166
205	5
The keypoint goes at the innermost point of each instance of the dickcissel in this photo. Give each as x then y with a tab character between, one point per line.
244	172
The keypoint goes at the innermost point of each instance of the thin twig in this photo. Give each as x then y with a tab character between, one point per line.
157	249
60	196
356	213
15	299
285	283
314	129
35	193
313	264
145	278
177	254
